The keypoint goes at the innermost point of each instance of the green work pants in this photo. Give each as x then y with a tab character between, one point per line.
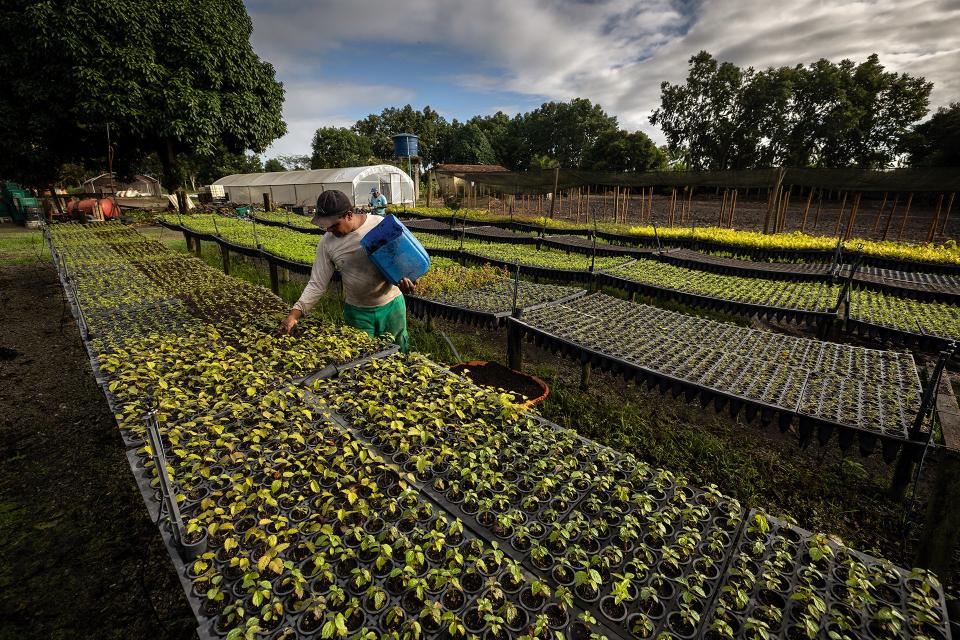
377	321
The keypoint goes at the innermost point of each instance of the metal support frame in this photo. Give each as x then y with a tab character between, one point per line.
848	281
928	400
167	492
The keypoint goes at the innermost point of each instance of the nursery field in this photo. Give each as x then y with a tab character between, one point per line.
331	488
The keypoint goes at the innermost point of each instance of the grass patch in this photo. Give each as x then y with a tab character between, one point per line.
21	246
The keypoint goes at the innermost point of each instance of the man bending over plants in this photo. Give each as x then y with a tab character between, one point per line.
373	304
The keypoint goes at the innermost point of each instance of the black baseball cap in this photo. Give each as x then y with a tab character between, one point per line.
330	206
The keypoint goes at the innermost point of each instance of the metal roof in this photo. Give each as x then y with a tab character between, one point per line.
310	176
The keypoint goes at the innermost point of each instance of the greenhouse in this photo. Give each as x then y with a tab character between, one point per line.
300	188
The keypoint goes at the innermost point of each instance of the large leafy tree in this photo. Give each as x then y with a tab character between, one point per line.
174	77
428	125
625	151
825	114
465	144
936	142
565	131
340	147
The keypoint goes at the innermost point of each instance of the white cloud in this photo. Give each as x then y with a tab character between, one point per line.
311	105
615	52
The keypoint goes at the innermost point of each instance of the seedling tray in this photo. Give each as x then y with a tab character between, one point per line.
313	230
800	316
782	392
780	559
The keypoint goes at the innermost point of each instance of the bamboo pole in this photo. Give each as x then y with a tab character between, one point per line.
650	208
783	210
733	209
806	211
853	215
616	204
626	206
723	208
843	206
946	216
906	214
936	219
883	205
586	208
816	217
689	203
893	211
673	204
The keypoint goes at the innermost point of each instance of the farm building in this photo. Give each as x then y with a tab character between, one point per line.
298	188
105	184
450	184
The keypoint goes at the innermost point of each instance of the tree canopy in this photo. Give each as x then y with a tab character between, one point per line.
936	142
172	77
825	114
575	134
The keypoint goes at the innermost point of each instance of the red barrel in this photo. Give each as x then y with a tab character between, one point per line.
93	209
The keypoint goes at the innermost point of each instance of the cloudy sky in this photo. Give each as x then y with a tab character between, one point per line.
342	60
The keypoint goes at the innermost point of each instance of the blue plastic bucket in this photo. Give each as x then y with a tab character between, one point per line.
395	251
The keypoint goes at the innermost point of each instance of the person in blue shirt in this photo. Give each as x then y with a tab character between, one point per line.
378	202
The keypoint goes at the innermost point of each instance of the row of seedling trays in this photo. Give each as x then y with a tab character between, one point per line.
293	521
874	392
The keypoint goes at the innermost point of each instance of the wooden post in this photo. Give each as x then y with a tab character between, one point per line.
673	205
806	211
553	196
843	206
893	211
585	373
689	202
650	206
586	207
514	347
723	207
906	214
267	202
733	209
616	204
786	209
274	278
626	207
774	196
816	217
936	219
946	216
883	205
225	258
853	215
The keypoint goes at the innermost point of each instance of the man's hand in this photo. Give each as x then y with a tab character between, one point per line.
407	285
288	323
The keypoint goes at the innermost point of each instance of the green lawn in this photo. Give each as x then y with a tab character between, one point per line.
21	246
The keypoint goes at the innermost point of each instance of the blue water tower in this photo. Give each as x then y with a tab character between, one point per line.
405	145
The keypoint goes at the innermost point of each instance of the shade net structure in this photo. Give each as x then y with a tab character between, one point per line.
898	180
301	188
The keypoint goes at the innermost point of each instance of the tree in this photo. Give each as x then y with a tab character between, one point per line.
428	125
175	77
936	142
565	131
826	114
295	163
625	151
465	144
340	147
273	164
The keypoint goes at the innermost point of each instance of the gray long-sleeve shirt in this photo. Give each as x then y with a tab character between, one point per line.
363	284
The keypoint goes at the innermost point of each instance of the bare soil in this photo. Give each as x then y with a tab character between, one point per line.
80	557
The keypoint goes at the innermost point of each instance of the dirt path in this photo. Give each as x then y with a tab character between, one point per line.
80	557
